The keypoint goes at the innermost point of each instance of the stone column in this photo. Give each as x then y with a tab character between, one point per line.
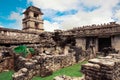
96	45
113	42
40	17
31	14
24	25
40	25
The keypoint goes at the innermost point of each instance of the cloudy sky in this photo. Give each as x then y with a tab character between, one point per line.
61	14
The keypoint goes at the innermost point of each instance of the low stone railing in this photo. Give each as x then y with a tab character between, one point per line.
103	68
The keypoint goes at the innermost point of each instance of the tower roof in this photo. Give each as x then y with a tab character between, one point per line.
34	9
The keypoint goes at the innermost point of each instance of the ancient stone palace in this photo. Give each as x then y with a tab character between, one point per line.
59	49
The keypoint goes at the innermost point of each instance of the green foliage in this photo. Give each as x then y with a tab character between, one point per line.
73	71
32	50
6	75
23	50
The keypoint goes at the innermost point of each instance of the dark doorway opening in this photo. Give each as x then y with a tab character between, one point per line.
104	42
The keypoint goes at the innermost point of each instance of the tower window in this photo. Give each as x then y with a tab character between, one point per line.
35	15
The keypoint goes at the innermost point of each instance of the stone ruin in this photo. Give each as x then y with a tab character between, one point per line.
64	77
103	68
55	50
44	64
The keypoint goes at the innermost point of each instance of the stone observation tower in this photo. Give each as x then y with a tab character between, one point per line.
33	20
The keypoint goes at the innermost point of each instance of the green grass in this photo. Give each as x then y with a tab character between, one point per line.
6	75
73	71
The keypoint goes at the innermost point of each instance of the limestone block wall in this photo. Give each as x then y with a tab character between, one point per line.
104	68
115	42
81	42
6	59
11	36
27	69
39	65
43	65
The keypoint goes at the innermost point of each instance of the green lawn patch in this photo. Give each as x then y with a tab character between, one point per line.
6	75
73	71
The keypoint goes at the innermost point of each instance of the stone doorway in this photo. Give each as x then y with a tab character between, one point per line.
104	42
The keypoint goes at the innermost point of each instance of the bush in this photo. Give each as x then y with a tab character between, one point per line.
24	50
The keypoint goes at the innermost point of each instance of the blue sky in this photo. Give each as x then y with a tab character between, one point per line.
60	14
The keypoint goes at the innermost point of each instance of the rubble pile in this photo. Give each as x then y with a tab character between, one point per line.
64	77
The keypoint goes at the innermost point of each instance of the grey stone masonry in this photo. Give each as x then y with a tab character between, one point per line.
103	68
13	36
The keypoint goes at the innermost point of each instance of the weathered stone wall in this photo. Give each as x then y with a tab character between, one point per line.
6	59
81	42
103	68
41	65
11	36
26	69
115	42
44	65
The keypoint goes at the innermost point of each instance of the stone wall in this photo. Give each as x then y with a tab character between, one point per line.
26	69
11	36
6	59
103	68
81	42
40	65
115	41
44	65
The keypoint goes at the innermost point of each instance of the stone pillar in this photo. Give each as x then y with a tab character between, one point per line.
40	25
96	45
31	14
81	42
113	42
24	25
40	17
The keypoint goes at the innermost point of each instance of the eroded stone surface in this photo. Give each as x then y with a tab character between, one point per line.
102	69
63	77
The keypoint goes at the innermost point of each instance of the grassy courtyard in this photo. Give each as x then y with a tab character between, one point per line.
6	75
73	71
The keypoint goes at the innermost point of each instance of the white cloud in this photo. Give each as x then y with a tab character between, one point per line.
84	18
48	26
18	20
117	15
60	5
103	14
